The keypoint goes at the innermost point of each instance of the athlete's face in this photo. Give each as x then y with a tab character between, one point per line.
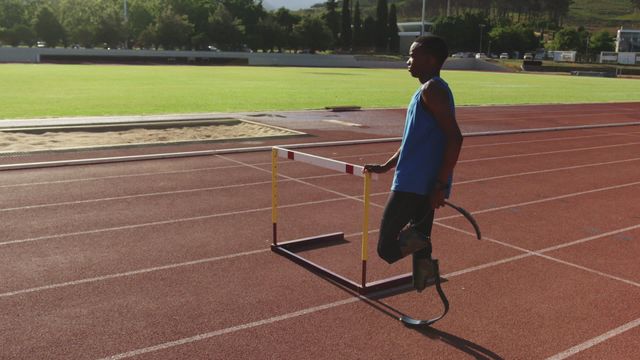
420	63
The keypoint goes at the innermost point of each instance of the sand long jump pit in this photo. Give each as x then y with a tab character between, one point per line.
99	136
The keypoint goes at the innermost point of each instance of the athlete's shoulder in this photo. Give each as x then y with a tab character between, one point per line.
434	89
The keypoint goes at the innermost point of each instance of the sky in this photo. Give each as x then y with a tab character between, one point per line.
290	4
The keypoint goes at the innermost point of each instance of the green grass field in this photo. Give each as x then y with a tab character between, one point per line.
33	91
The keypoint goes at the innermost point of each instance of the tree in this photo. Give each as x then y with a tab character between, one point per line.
12	13
48	28
394	37
110	30
173	31
369	31
197	11
148	38
18	35
80	19
332	18
601	41
381	31
513	38
313	34
556	10
140	17
570	39
636	4
462	33
268	35
224	30
346	36
249	12
287	21
358	38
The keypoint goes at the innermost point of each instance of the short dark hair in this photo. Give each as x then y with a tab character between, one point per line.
434	46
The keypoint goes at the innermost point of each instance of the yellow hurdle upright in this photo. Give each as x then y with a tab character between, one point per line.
365	228
274	194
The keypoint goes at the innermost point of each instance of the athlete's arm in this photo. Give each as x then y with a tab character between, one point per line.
435	98
383	168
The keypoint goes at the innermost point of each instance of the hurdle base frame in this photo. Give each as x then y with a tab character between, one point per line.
288	248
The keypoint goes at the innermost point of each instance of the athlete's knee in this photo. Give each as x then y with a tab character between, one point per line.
388	252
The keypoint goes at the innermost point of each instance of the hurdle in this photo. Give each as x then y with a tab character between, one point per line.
288	249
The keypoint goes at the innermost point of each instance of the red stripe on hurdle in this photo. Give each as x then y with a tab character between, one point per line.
349	169
290	155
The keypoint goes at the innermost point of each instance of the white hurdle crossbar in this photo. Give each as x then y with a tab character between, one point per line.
322	162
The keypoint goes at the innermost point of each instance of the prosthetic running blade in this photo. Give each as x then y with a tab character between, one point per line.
467	216
408	320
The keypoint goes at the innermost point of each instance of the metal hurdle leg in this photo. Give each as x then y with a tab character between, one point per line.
365	229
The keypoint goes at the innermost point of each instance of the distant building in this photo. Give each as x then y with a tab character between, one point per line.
628	41
409	31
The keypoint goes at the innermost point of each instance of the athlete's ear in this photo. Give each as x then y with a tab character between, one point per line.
431	60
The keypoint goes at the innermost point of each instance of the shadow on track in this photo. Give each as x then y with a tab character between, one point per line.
466	346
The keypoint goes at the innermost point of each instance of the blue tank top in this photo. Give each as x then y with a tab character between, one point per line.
422	149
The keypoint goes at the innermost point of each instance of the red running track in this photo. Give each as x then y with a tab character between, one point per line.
169	259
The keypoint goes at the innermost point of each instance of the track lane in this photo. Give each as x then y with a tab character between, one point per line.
545	224
341	316
503	329
291	231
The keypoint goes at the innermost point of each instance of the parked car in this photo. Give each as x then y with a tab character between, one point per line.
41	44
528	56
458	55
504	56
481	56
213	48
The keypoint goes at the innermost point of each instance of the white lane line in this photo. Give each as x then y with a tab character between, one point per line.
283	317
342	197
548	152
111	177
199	337
127	227
543	200
148	270
126	197
488	265
123	176
587	239
162	193
534	141
545	171
544	116
232	329
526	253
596	340
633	134
593	271
540	253
359	199
298	180
165	222
130	273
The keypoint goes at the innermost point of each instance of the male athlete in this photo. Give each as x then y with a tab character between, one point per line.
423	164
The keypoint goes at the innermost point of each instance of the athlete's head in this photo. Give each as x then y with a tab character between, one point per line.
427	55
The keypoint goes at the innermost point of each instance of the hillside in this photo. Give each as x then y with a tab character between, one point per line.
609	14
593	14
